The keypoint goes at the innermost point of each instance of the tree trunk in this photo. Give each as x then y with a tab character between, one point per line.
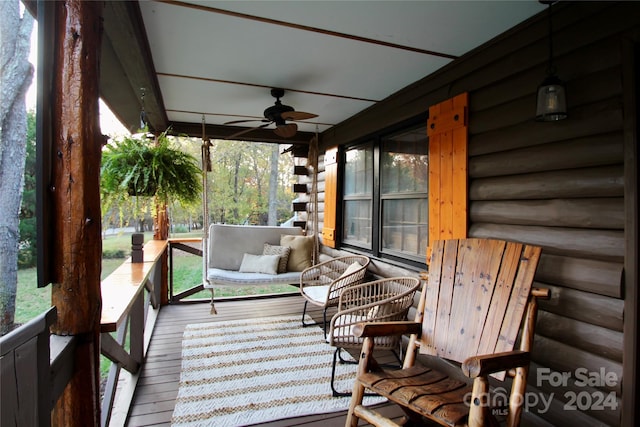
15	79
77	246
161	222
273	186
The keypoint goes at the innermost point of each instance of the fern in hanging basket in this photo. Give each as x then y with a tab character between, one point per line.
148	167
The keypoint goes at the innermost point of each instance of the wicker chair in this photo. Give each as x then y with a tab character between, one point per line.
323	283
384	300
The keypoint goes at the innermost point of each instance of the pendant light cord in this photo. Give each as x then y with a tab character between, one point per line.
551	70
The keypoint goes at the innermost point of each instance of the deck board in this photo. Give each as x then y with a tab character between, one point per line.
157	387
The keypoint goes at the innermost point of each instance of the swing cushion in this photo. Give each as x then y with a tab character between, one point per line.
229	243
221	277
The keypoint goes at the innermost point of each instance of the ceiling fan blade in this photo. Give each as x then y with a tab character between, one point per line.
297	115
244	121
286	131
243	131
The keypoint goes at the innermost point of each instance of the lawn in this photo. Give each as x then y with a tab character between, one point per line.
187	273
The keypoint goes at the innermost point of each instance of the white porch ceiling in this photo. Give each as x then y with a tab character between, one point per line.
333	58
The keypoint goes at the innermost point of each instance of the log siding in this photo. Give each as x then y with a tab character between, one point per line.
562	185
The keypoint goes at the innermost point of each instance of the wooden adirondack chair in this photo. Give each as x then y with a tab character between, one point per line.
470	312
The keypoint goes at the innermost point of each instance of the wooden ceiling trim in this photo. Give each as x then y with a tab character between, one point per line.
309	92
308	28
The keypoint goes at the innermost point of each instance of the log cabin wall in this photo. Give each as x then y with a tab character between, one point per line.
566	186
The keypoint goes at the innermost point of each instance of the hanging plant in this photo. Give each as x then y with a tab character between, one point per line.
143	166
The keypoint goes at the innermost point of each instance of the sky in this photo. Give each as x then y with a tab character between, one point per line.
109	124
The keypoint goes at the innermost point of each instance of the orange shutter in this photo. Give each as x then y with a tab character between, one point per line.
330	197
448	164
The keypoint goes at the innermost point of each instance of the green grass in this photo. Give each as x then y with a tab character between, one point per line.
187	273
31	300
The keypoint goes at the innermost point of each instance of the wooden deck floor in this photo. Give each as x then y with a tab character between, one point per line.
157	388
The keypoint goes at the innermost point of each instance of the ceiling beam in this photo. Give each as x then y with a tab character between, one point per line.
224	132
127	70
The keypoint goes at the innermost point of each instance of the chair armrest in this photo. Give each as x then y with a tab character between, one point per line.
328	271
379	329
314	271
483	365
541	293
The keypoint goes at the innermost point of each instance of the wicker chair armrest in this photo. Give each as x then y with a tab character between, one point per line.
483	365
328	271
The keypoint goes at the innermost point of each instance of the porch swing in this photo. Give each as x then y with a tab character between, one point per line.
266	233
327	277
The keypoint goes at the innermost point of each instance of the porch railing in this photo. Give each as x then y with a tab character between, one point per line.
184	245
131	298
35	366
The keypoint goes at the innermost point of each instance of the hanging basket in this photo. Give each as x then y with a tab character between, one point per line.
148	190
141	166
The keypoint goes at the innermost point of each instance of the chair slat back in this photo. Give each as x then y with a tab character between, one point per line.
476	296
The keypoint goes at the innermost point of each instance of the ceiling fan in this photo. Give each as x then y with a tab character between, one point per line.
278	114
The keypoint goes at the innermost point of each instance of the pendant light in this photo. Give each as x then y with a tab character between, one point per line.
552	100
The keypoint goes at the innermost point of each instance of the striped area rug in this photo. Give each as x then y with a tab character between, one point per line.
243	372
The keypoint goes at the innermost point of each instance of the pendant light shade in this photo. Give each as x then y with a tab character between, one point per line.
552	100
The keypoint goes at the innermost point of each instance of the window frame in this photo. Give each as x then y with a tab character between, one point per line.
375	142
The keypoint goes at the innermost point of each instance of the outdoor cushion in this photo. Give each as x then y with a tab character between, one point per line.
267	264
317	293
301	251
228	243
282	251
353	267
219	277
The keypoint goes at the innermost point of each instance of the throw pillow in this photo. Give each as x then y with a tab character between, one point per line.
282	251
352	268
267	264
301	251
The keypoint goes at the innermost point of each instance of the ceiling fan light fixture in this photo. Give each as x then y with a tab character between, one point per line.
286	131
274	113
277	114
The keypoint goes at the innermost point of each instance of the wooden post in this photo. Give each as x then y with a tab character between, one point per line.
77	246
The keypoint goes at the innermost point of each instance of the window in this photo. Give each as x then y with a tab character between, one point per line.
404	180
386	189
358	196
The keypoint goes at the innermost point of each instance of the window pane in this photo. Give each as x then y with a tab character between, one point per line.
357	222
358	172
405	227
405	165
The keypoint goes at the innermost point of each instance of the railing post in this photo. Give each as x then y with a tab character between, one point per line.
136	343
